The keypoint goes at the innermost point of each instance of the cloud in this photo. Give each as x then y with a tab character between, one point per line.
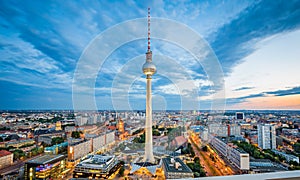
235	40
243	88
40	44
285	92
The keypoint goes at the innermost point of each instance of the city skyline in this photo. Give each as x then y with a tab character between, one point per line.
255	43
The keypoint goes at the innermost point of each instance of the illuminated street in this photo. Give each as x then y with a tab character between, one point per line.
213	168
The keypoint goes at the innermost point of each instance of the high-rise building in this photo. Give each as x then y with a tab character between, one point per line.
239	115
224	130
81	120
218	129
266	136
234	130
148	69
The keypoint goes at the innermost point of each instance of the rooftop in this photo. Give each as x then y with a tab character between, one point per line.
97	161
45	159
171	167
4	153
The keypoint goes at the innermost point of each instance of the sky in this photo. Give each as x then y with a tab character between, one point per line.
56	55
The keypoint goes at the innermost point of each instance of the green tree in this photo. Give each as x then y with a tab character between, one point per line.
76	134
121	171
57	140
196	160
155	133
297	147
204	149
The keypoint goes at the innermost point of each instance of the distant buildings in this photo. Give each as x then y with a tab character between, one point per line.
224	130
218	129
174	168
81	120
6	158
266	136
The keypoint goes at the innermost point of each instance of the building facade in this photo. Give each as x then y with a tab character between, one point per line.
6	158
266	138
235	155
224	130
45	167
79	149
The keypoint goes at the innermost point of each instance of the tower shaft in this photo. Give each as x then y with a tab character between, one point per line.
148	126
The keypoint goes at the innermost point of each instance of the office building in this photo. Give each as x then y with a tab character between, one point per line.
174	168
224	130
239	115
79	149
266	136
99	166
234	130
81	120
218	129
102	140
235	155
45	167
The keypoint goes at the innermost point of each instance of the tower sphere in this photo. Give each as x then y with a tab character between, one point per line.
149	68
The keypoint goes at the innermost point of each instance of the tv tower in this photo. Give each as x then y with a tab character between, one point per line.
148	69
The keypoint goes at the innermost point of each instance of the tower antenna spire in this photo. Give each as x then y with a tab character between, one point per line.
149	29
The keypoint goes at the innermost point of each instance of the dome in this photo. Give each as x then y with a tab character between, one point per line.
149	68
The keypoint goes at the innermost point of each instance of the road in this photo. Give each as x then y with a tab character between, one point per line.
209	168
215	167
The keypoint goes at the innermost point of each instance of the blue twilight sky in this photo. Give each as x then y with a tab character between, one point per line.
256	43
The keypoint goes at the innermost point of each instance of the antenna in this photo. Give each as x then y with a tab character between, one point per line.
148	29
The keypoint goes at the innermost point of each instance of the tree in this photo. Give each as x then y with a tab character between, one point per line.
76	134
297	147
204	149
121	171
196	160
18	154
57	140
193	153
155	133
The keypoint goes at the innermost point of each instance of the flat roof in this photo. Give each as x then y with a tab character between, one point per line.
170	167
46	159
97	161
